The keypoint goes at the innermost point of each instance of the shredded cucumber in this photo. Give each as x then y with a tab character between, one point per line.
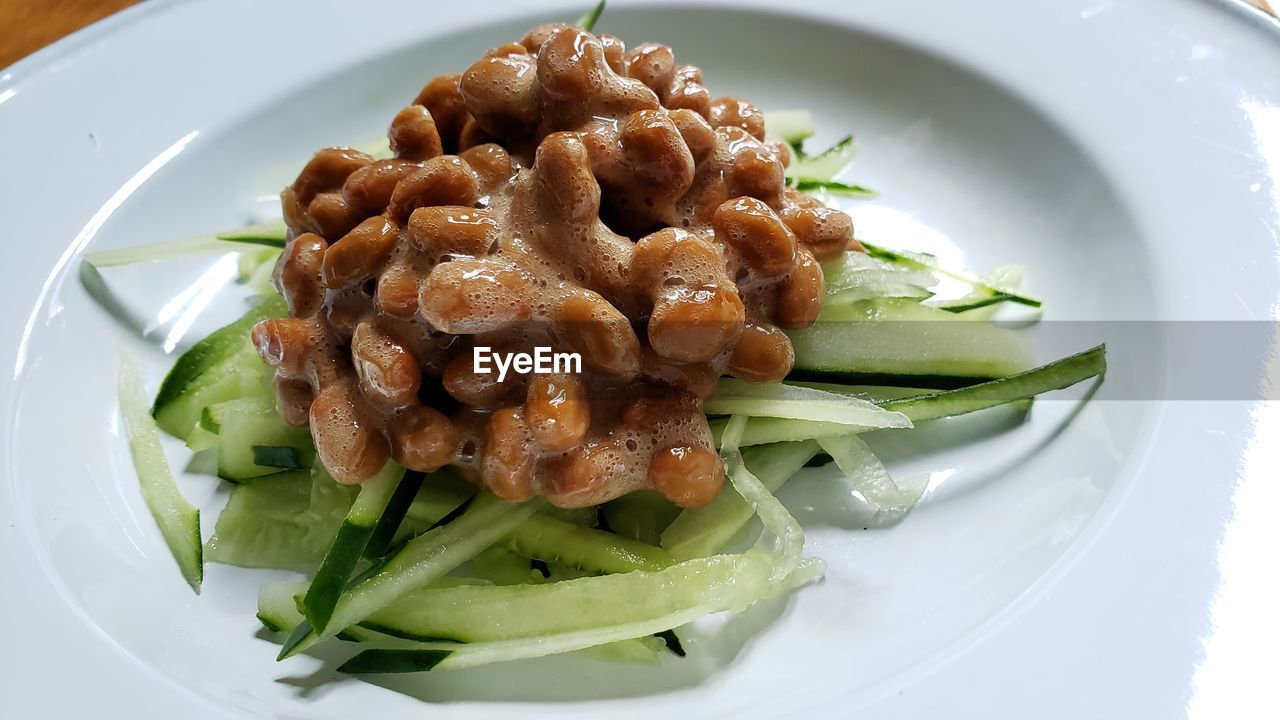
835	187
1054	376
868	475
423	559
893	337
179	520
641	515
285	521
787	537
795	402
223	366
547	538
271	234
352	539
789	126
707	530
168	250
588	22
825	165
918	260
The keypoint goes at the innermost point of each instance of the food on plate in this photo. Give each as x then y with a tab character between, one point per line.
389	428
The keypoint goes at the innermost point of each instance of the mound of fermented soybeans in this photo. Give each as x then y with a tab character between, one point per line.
563	192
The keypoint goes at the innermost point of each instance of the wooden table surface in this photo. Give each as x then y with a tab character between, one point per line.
31	24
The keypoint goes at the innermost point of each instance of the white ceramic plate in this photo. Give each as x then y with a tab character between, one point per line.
1114	566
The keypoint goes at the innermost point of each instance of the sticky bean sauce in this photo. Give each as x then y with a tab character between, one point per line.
593	200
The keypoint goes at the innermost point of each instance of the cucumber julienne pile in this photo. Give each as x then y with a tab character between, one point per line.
421	571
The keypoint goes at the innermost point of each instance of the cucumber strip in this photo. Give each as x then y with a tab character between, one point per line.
277	609
253	440
825	165
787	537
549	539
279	456
421	560
972	303
221	367
641	515
671	642
912	259
868	475
588	21
894	337
762	430
790	126
794	402
734	587
1053	376
285	521
178	520
707	530
499	613
393	517
545	537
168	250
271	234
350	543
646	650
812	184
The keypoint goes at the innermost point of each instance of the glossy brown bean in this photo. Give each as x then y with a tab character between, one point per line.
754	171
369	189
615	53
691	96
388	373
826	232
423	439
732	112
534	39
592	474
656	153
556	411
294	212
652	64
780	150
413	135
359	254
449	111
331	216
696	131
763	353
467	297
687	475
799	295
397	292
501	93
571	65
697	379
293	399
453	229
766	244
591	327
565	182
507	465
347	439
673	256
507	50
691	325
327	170
444	180
298	274
285	343
491	164
475	389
